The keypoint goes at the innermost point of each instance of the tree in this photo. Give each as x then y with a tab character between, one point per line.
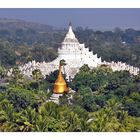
37	77
17	77
105	120
2	72
63	100
8	116
7	54
21	98
84	68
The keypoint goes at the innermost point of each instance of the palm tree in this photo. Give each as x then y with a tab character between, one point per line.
104	121
26	120
114	105
41	124
37	76
17	77
7	116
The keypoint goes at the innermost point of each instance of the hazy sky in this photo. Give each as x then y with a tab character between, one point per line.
92	18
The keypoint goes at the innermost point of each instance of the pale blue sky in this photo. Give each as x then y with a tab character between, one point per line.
92	18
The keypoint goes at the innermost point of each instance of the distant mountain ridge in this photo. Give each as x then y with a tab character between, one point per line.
19	32
14	24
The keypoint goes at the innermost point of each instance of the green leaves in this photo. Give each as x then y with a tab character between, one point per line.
104	101
37	75
17	78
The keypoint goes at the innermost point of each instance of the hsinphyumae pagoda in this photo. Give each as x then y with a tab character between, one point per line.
75	56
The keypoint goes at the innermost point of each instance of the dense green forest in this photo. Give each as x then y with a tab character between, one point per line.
21	41
103	101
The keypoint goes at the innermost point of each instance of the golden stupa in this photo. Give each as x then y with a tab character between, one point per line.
60	85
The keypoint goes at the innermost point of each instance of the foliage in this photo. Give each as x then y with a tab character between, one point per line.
103	100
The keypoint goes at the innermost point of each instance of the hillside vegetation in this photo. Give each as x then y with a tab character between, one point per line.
104	101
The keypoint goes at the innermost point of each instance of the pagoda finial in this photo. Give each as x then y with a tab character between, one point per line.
70	23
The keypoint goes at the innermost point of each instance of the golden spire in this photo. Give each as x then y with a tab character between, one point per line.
60	85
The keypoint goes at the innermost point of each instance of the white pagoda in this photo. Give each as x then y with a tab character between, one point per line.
72	51
75	55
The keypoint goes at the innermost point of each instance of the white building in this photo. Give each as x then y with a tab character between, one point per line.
75	55
72	51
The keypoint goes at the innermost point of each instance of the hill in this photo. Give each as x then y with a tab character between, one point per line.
15	24
19	32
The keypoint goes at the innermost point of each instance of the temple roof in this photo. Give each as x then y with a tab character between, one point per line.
70	36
